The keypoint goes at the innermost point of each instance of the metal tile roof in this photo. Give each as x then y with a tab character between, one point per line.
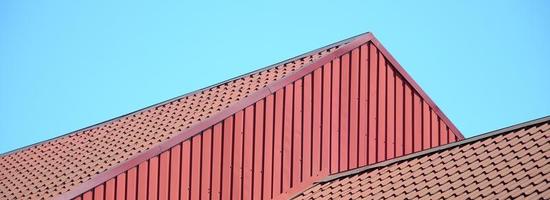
55	166
509	163
83	163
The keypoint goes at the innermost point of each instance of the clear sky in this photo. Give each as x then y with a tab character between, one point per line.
65	65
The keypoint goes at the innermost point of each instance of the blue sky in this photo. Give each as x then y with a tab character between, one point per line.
65	65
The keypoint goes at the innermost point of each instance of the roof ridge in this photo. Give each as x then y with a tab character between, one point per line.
487	135
417	87
158	148
182	96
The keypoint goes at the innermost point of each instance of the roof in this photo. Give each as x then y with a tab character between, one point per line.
74	163
513	162
52	167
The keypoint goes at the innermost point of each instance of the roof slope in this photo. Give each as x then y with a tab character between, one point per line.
77	163
508	163
53	167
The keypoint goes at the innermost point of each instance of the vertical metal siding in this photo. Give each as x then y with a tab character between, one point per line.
185	178
325	118
363	104
267	186
206	160
164	174
143	170
308	139
175	163
381	109
391	115
344	113
318	142
296	134
217	158
152	174
258	151
99	192
227	137
335	116
353	111
353	140
399	117
110	189
277	144
131	183
236	184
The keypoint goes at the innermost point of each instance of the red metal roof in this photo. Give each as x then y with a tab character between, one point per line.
53	167
509	163
214	133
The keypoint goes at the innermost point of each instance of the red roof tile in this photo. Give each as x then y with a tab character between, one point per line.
509	163
55	166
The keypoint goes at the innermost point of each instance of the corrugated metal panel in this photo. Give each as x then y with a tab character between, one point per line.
354	110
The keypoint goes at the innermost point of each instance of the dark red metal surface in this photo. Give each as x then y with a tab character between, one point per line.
265	135
353	107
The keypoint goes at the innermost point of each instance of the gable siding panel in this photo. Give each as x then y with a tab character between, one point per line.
344	112
131	184
363	104
248	157
356	109
297	134
308	139
335	117
217	153
206	164
99	192
185	185
381	132
164	175
258	152
372	106
390	114
268	149
325	117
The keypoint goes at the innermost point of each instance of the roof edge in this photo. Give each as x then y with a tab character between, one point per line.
417	87
177	97
501	131
352	42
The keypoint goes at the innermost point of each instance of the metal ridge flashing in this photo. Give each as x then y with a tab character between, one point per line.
197	128
180	96
417	87
483	136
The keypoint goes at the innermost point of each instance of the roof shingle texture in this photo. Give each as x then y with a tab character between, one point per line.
512	165
53	167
